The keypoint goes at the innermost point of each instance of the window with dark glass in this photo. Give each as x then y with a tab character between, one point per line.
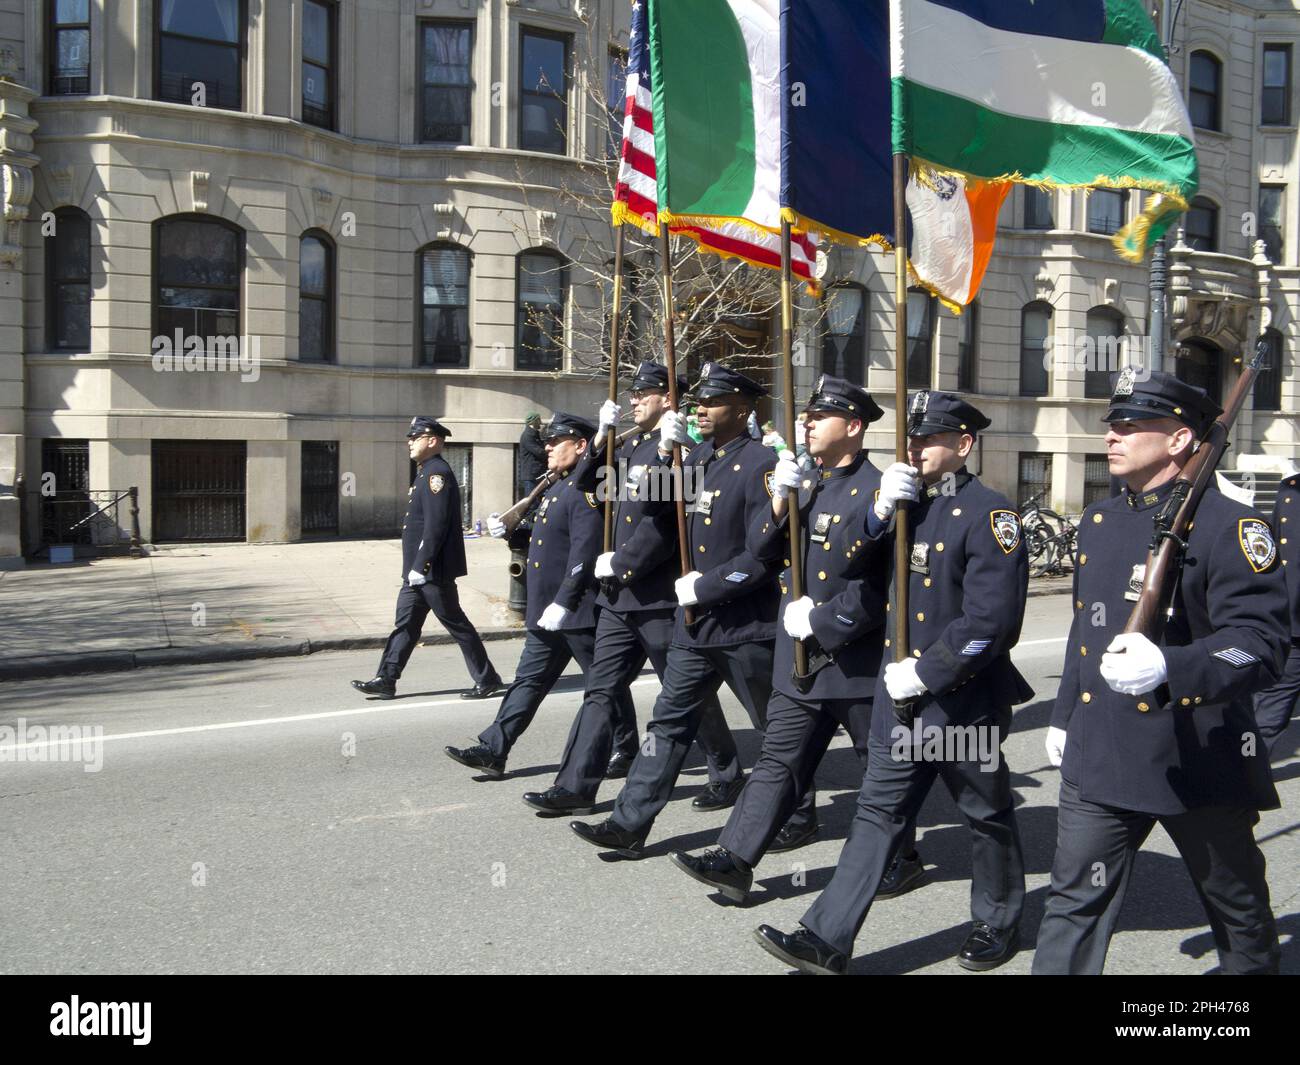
1038	208
1201	227
1035	478
615	99
68	275
543	91
1105	352
444	306
200	42
844	348
1203	98
318	63
1096	479
69	47
920	338
1106	209
540	331
446	90
1035	327
1272	206
1268	383
315	298
968	347
197	269
1275	103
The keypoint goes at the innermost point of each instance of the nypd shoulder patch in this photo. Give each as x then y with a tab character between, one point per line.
1256	540
591	500
1006	529
435	483
769	482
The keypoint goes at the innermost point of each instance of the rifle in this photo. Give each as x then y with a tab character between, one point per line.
1174	522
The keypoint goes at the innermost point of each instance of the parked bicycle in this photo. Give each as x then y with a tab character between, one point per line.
1050	538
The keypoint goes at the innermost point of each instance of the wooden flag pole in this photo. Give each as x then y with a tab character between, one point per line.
615	335
670	360
902	546
787	368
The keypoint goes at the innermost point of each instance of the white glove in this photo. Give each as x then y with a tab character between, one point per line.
495	528
610	412
604	565
901	681
897	483
552	617
797	618
685	587
672	430
1133	665
1055	745
415	578
787	475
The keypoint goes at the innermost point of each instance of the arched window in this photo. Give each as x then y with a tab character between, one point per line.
1035	328
542	285
1268	383
920	338
444	305
198	268
1106	351
1202	225
844	347
67	273
315	297
1206	77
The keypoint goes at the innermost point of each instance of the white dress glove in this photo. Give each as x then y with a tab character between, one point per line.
415	578
610	412
787	475
672	430
604	565
495	528
797	618
552	618
901	681
1055	745
1133	665
897	483
685	587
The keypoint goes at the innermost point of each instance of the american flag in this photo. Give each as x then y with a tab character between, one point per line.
636	193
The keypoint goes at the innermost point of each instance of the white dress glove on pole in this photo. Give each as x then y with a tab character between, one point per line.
787	475
552	617
901	681
685	587
495	528
797	618
897	483
604	565
610	412
1055	745
672	430
1133	665
415	578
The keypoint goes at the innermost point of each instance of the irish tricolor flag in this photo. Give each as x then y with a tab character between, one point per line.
1067	93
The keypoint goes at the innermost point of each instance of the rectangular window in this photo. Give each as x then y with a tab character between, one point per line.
69	47
968	348
1035	326
1035	480
615	100
446	87
1106	209
460	457
1038	208
318	63
1272	218
444	296
1096	479
543	91
200	51
68	272
319	495
920	339
1275	103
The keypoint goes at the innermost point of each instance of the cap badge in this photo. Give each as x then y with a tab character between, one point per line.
920	402
1124	386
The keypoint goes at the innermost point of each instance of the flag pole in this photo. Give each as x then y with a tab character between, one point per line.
902	547
615	335
787	368
670	359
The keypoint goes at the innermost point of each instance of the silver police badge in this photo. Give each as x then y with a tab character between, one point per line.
1124	386
1006	529
920	403
1135	582
1257	544
704	505
920	562
820	528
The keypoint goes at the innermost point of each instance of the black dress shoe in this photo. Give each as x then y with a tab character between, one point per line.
720	869
791	837
478	757
557	800
618	766
987	947
718	796
611	837
381	686
485	690
904	875
802	950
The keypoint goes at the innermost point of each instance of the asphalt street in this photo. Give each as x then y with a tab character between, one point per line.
262	817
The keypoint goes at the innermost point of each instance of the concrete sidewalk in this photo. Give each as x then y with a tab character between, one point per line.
220	602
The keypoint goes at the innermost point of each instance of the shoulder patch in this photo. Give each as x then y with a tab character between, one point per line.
1006	529
435	483
591	500
1256	540
769	482
1236	657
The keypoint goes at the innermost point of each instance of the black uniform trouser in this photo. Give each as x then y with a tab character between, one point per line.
1095	848
413	607
693	675
893	791
544	658
794	743
1275	707
623	643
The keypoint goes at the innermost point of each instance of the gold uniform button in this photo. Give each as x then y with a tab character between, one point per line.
927	582
1197	700
938	547
836	519
886	643
1143	707
701	549
708	521
826	546
785	590
539	543
537	565
736	467
956	512
1083	560
1083	650
628	519
787	561
1086	697
821	574
1078	605
1096	519
920	615
855	492
916	653
1185	701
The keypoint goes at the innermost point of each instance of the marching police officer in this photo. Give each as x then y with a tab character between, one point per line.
840	618
1146	731
944	710
1275	707
637	606
733	597
433	556
561	617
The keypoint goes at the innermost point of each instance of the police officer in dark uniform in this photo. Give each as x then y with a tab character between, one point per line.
561	618
1275	707
732	594
637	607
840	618
532	454
433	556
1164	732
944	711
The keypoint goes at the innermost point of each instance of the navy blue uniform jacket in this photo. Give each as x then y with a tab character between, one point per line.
1286	529
567	535
432	541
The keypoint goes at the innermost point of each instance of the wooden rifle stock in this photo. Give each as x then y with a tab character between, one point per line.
512	517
